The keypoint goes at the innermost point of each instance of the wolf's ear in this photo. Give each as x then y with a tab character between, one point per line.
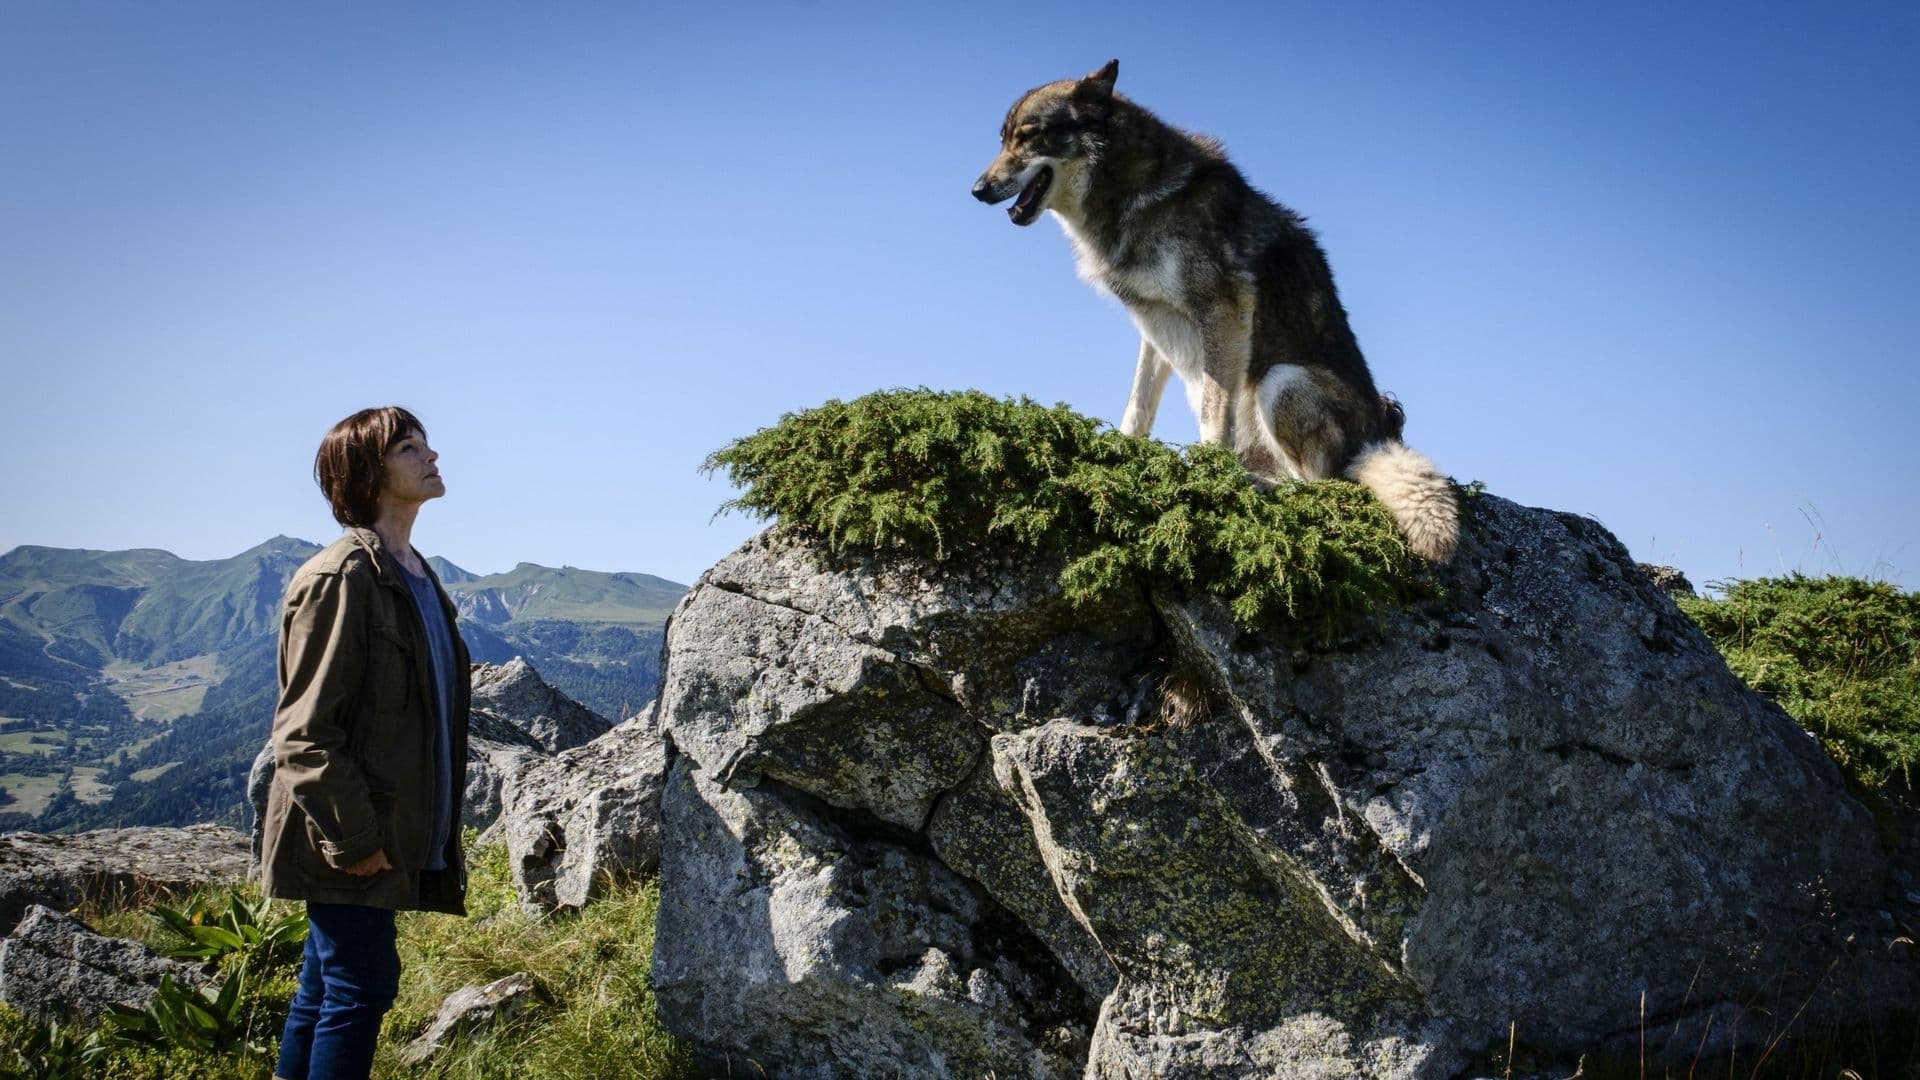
1095	92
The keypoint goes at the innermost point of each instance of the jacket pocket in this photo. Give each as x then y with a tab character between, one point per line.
320	872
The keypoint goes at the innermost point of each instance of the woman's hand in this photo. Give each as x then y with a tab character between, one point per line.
370	865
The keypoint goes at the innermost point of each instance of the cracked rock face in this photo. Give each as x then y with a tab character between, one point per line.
932	820
585	816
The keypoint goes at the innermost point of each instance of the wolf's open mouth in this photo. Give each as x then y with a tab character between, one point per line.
1032	198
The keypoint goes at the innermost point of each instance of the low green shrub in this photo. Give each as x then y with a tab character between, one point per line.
230	1030
945	472
1840	654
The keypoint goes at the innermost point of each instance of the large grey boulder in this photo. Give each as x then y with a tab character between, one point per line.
847	948
585	816
939	805
259	790
114	866
54	967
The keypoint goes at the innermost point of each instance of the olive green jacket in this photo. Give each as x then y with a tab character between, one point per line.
353	738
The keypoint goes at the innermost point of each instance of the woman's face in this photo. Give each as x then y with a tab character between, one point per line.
412	472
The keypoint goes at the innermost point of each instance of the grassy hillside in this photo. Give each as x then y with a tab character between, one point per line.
203	607
56	567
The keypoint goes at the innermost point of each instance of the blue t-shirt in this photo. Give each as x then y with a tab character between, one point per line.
440	678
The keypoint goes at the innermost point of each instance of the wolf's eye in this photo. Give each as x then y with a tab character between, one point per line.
1026	131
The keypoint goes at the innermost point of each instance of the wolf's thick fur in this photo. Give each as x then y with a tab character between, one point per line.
1227	287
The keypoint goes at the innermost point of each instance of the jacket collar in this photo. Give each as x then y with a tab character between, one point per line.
384	565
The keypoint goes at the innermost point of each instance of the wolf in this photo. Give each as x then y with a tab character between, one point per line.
1226	286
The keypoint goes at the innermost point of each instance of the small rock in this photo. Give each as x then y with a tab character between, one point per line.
1668	578
471	1011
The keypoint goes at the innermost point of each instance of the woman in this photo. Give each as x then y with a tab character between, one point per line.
369	744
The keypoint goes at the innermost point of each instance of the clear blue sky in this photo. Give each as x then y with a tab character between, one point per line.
1657	264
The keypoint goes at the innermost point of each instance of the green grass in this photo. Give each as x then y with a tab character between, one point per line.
595	1017
164	691
1840	654
1861	1052
640	601
943	474
41	743
31	794
87	786
127	750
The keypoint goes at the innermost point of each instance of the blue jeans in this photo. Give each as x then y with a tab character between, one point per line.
347	982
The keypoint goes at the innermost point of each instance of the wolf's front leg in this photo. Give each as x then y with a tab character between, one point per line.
1229	345
1216	408
1149	380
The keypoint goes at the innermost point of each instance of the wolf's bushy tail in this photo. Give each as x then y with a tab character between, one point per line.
1420	499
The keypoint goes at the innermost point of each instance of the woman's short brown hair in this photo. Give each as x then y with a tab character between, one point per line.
351	464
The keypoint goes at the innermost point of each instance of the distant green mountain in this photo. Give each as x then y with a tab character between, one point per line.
133	684
537	592
90	608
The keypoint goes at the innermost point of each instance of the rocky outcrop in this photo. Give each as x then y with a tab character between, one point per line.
259	787
933	820
113	866
517	721
848	948
511	699
53	967
585	816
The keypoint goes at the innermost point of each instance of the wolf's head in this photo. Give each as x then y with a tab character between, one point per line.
1046	143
